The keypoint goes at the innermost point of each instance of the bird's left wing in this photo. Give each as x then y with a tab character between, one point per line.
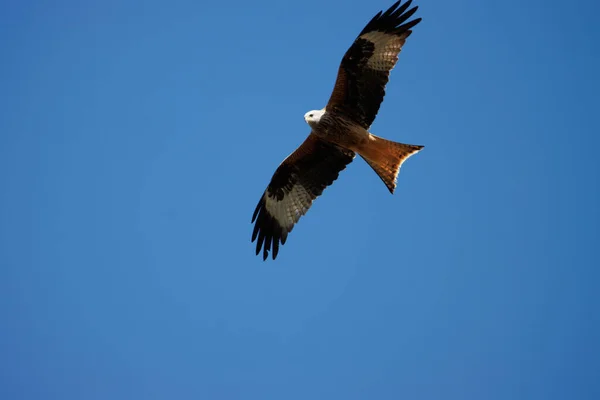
365	68
300	179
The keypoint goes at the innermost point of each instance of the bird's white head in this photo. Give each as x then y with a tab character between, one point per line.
313	117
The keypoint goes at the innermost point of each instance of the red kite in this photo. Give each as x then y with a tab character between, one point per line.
339	131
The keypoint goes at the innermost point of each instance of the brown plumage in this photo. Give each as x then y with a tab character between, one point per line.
365	68
300	179
339	131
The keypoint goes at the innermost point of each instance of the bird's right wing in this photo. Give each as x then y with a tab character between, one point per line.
300	179
365	68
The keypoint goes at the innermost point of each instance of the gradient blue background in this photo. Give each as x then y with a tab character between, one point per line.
137	137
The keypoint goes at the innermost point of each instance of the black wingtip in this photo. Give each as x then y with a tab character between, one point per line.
257	209
267	232
409	25
392	19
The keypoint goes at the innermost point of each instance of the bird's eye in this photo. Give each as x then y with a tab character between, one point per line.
310	115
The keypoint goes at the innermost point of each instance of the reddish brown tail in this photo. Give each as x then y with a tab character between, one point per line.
386	158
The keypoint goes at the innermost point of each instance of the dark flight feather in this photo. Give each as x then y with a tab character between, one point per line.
299	180
360	84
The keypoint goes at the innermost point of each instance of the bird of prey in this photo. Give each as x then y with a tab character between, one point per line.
339	131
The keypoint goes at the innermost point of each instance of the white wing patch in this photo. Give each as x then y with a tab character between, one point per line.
387	48
289	210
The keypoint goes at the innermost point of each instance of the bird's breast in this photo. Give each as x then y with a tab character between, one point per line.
341	131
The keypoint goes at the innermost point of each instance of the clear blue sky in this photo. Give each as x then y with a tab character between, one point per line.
137	137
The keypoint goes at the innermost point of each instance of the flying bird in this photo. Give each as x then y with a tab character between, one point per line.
340	131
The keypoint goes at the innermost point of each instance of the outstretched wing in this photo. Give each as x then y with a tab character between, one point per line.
300	179
365	68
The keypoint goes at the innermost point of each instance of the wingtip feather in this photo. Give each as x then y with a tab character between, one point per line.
391	20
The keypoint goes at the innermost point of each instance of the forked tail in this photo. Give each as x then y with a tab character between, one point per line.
386	158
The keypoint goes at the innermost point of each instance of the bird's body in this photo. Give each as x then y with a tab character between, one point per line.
340	131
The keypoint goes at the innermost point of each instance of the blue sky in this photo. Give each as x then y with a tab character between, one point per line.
137	137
